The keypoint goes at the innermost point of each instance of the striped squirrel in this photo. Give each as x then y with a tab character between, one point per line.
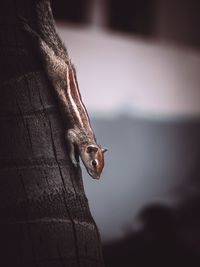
62	75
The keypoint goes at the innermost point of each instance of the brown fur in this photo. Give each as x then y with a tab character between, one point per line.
62	76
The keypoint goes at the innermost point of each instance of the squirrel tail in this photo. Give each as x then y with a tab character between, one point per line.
47	29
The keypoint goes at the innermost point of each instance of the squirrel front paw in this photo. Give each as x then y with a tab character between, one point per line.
71	138
74	161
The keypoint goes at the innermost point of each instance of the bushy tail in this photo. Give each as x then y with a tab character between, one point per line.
47	29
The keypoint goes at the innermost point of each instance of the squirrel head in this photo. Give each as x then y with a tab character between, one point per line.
93	159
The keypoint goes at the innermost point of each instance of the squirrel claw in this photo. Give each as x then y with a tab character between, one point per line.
74	161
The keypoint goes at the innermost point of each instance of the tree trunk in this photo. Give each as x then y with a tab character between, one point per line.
44	215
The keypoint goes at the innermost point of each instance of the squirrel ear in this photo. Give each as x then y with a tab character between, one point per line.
104	149
91	149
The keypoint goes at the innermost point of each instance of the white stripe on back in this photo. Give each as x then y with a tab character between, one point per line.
75	108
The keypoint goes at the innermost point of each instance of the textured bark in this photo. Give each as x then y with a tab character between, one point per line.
44	214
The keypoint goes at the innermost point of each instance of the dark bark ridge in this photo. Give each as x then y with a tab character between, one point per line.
44	213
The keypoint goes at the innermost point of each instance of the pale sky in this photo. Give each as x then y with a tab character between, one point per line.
117	72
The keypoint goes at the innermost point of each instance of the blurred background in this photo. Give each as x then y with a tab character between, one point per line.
138	67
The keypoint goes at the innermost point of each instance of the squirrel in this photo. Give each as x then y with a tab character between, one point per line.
62	75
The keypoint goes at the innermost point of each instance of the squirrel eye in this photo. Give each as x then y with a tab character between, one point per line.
94	163
92	149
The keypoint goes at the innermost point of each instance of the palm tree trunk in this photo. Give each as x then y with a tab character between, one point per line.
44	215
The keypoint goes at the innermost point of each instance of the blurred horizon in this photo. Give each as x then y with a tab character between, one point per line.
174	91
127	70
